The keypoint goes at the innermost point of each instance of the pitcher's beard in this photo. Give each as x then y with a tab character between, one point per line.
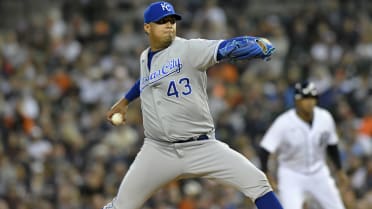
168	40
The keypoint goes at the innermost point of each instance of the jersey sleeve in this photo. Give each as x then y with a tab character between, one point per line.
272	137
202	53
334	137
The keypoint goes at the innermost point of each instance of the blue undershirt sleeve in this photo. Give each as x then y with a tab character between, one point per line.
134	92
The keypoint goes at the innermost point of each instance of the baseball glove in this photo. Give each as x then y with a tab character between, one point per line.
247	47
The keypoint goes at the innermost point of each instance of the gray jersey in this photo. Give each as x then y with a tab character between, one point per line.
173	91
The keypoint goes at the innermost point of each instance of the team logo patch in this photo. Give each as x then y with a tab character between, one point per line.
165	6
172	66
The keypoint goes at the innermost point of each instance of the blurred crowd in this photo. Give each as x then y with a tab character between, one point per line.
60	71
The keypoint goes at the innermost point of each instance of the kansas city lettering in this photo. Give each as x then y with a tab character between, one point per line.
172	66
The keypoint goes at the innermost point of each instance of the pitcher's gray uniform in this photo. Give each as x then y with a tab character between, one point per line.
170	84
179	130
173	92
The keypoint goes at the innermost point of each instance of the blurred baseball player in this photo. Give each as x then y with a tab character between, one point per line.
300	138
179	131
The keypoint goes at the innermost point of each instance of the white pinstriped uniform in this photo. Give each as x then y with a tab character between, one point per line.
300	150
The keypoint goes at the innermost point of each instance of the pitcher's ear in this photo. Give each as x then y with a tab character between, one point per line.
146	28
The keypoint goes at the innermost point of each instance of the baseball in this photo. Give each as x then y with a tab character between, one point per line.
117	118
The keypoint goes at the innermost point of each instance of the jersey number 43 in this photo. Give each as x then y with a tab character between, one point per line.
182	86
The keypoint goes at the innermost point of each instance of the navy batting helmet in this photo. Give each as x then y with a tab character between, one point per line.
305	90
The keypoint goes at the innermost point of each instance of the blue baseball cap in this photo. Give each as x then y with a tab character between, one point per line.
158	10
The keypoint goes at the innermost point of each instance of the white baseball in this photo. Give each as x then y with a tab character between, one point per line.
117	118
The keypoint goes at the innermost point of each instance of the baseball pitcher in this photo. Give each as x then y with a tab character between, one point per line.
179	132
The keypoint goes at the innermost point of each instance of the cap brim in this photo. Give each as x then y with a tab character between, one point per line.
301	96
178	17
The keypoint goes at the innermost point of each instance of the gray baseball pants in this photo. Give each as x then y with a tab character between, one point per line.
158	163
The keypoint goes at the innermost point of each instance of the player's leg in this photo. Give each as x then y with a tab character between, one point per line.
223	164
153	167
323	189
290	184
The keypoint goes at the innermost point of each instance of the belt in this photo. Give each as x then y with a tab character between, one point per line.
198	138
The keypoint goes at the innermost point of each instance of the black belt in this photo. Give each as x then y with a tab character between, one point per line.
199	138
